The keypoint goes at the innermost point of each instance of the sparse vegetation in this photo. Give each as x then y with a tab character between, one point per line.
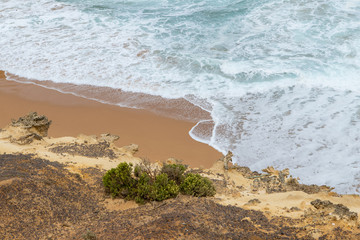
175	172
89	235
144	184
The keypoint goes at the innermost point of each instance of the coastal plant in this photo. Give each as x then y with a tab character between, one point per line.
119	182
145	189
143	184
165	188
174	171
198	186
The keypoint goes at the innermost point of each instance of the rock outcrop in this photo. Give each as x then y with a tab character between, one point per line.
34	123
334	211
227	159
27	129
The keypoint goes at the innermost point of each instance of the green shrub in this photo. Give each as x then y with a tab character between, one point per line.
145	189
118	181
197	186
175	172
144	185
164	188
138	171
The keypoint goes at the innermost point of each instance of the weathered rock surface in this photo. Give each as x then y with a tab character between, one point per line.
96	150
110	138
34	123
279	181
27	129
335	210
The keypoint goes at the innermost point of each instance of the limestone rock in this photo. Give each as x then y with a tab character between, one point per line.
26	139
227	159
34	123
107	137
271	171
339	210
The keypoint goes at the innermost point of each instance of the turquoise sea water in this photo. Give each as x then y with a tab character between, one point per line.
280	78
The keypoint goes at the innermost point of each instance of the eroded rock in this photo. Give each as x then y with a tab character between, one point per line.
339	210
270	184
293	185
107	137
227	159
279	181
26	139
34	123
101	149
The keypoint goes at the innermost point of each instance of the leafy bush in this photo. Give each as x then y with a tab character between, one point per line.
145	189
175	172
118	181
138	171
165	188
197	186
144	185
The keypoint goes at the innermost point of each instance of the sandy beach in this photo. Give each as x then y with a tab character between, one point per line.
158	137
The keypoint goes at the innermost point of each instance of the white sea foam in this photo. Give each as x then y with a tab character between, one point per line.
279	78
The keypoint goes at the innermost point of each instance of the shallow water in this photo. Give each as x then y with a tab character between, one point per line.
279	78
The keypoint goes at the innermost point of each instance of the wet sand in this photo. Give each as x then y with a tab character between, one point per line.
159	137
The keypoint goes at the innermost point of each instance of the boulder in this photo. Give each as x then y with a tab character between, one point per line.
34	123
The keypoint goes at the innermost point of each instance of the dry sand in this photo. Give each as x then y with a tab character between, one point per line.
158	137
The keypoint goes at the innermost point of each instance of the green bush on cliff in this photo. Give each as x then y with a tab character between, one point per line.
165	188
144	185
160	189
145	189
119	182
198	186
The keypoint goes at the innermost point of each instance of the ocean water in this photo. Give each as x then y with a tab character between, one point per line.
280	79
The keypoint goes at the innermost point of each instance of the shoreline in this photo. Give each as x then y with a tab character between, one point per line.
158	137
59	171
